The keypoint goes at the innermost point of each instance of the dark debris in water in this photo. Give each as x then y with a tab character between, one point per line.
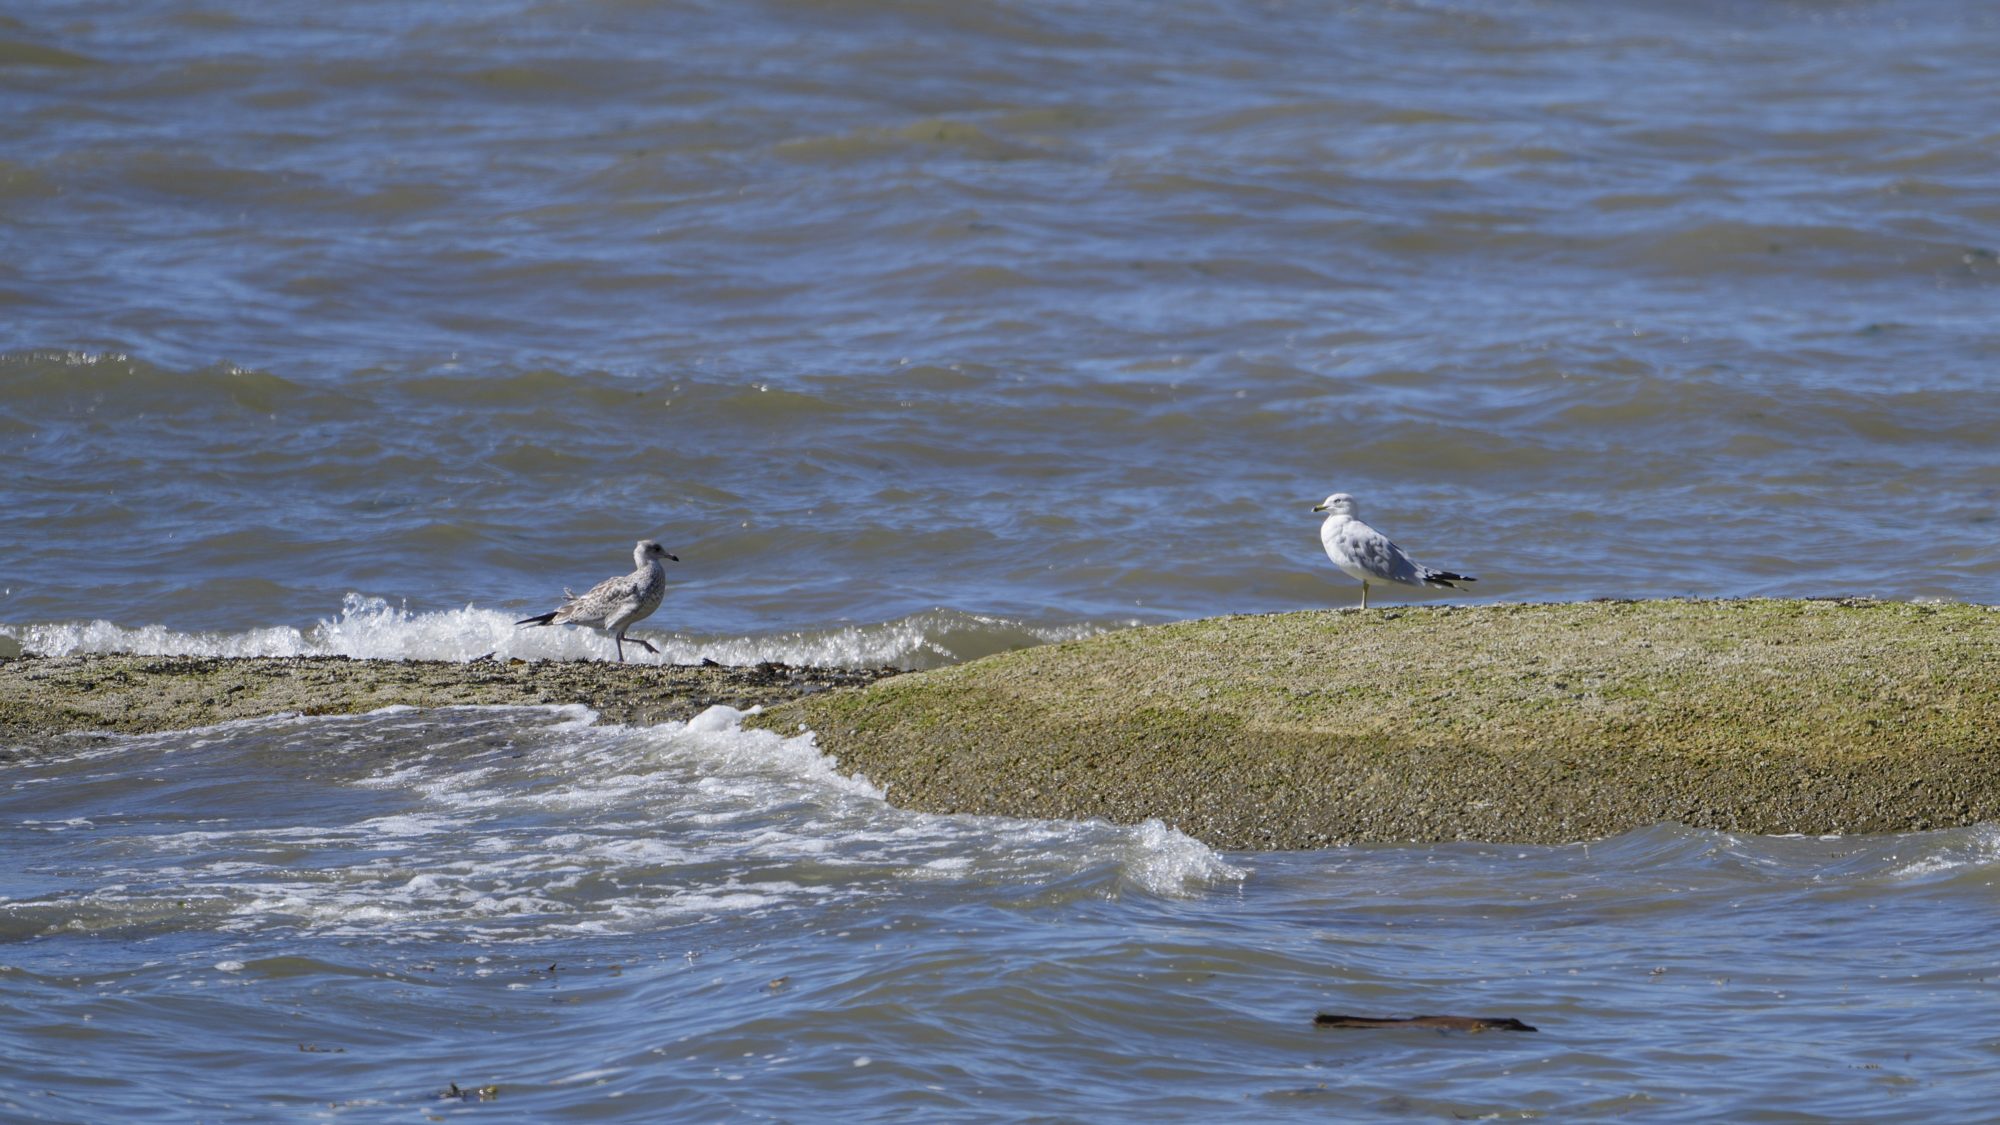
1437	1023
487	1093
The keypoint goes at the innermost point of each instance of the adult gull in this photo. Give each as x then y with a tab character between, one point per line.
1369	555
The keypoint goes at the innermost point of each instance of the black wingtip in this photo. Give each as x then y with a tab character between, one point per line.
544	619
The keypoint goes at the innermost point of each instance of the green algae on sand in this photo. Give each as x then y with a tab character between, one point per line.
1542	723
46	702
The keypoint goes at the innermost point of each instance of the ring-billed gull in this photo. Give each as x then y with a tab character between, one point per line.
1369	555
617	603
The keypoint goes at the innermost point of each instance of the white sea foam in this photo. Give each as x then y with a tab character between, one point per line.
372	628
521	824
1165	860
1951	851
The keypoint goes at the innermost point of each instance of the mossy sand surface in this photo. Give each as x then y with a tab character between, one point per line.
1507	723
49	701
1526	722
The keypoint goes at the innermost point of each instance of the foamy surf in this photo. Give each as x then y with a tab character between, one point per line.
524	825
370	628
1971	851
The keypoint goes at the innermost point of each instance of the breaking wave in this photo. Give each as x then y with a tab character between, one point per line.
372	629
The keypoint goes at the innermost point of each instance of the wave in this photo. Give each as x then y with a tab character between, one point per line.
370	628
509	824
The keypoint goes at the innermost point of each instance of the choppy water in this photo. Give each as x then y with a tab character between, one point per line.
920	331
355	914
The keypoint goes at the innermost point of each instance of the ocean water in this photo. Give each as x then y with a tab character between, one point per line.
921	332
351	917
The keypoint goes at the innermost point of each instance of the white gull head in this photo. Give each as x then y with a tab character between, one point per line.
646	552
1340	504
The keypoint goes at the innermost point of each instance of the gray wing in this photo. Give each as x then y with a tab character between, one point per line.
1376	554
602	600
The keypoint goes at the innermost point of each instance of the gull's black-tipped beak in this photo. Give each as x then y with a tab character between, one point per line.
1319	507
671	558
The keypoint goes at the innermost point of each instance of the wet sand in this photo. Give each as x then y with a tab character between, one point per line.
1504	723
46	703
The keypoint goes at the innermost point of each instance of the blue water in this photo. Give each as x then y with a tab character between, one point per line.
1051	312
350	916
920	332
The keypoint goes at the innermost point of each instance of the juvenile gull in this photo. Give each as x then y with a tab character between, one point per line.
616	603
1369	555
